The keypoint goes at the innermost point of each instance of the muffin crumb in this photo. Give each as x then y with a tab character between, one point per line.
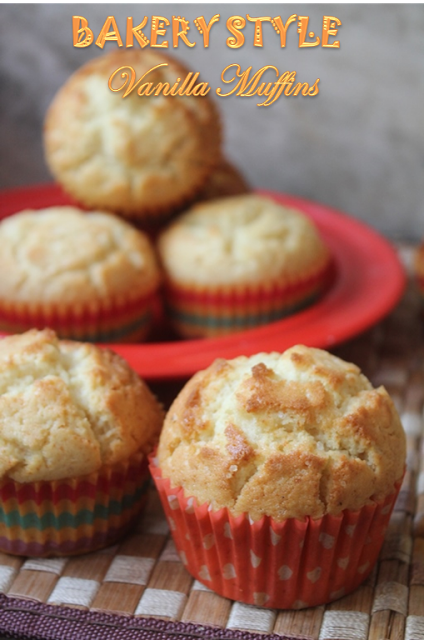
285	435
68	408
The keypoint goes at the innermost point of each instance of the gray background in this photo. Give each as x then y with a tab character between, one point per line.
357	146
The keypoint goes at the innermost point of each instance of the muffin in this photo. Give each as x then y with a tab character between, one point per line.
88	276
278	474
76	425
142	156
225	181
236	263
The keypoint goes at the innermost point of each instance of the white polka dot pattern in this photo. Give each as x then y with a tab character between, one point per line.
229	572
257	562
285	573
343	562
204	573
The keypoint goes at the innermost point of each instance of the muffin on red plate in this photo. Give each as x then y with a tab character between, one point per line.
278	474
240	262
87	275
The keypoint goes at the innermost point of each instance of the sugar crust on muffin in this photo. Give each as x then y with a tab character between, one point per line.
68	408
133	155
241	240
293	435
63	255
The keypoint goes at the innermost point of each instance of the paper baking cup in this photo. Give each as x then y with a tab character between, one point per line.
285	565
69	517
122	320
197	312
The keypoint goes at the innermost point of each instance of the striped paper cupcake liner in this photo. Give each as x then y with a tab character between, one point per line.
72	516
206	312
122	320
291	564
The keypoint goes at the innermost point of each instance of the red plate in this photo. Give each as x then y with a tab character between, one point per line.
370	281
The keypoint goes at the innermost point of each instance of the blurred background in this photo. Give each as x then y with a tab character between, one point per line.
357	146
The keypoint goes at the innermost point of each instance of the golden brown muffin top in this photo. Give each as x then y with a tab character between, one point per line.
133	155
293	435
67	408
241	240
62	255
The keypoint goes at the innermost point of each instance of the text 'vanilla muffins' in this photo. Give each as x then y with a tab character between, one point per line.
76	425
88	276
278	474
139	156
236	263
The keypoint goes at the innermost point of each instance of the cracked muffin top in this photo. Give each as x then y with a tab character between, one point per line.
67	408
136	154
241	240
288	435
62	255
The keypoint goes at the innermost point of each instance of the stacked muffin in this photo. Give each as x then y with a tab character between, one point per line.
140	157
234	262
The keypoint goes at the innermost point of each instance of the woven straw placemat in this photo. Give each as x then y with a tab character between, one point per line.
140	588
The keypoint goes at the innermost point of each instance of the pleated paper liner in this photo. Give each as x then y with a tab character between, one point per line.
72	516
119	320
208	312
291	564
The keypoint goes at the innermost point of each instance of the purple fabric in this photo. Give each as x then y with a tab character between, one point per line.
27	620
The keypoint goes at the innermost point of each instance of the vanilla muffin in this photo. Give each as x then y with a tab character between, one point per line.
141	156
89	276
224	182
76	425
284	461
239	262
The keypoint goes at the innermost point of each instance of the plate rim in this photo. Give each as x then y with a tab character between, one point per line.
181	358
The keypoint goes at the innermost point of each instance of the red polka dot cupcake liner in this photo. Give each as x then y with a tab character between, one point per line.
291	564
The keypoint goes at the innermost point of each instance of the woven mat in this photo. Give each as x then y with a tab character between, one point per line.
140	589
